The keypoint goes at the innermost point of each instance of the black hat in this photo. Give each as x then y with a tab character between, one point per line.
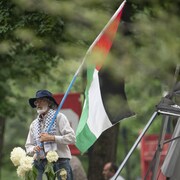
42	94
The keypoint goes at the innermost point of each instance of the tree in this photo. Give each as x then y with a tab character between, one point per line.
25	53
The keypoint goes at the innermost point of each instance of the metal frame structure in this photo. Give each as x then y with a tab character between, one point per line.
160	110
160	143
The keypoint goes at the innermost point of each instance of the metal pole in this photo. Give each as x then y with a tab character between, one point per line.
124	133
160	146
163	130
134	146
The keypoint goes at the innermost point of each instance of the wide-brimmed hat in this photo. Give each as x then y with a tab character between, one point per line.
42	94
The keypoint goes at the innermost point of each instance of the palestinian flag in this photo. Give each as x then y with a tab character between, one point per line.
95	117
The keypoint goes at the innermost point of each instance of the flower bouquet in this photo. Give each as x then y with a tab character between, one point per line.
24	164
25	167
51	156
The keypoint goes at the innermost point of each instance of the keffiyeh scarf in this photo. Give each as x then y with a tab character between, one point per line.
37	129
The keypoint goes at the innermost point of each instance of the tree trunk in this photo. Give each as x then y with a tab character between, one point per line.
2	128
102	151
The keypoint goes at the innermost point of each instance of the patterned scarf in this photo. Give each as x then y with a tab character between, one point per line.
48	146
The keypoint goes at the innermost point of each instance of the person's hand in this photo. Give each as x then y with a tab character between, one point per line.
38	154
37	149
44	137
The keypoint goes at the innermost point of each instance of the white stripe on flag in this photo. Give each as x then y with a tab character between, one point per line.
98	120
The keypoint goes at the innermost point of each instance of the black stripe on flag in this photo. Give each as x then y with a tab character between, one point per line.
114	96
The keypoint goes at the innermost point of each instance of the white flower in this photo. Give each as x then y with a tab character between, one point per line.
26	163
16	155
52	156
21	172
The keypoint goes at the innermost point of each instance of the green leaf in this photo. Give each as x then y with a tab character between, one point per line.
31	175
34	172
49	171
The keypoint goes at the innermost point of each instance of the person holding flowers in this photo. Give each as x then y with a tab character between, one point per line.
49	145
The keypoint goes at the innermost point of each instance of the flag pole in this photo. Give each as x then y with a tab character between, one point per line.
81	65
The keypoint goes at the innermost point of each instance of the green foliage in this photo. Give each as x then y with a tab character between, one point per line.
31	174
49	171
27	47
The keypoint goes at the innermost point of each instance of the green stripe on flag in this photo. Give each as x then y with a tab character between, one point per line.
83	129
85	134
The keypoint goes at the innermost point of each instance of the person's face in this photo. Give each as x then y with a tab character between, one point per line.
106	171
42	105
